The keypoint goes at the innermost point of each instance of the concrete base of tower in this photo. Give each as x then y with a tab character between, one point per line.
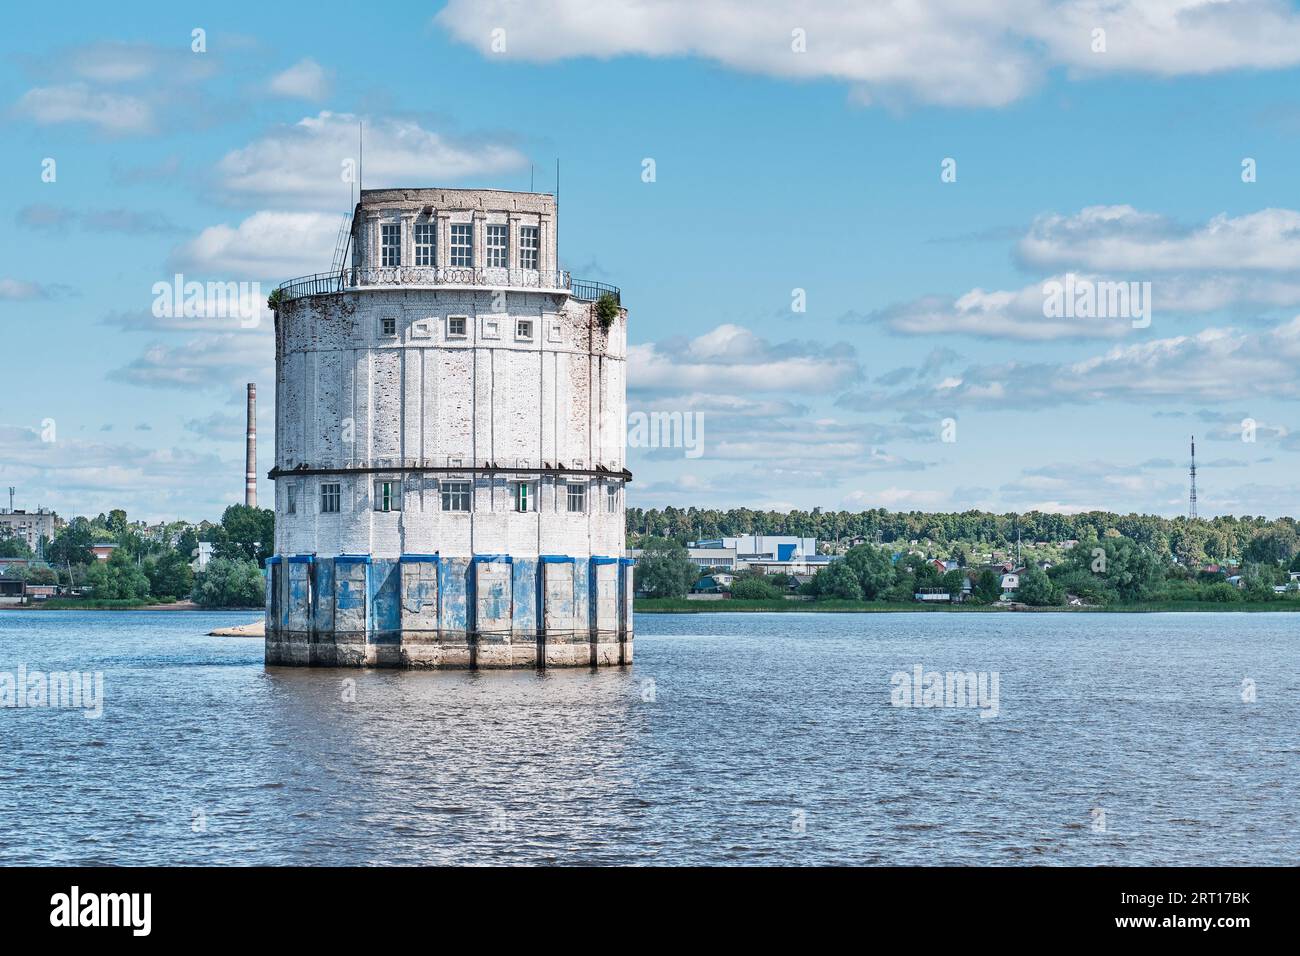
426	611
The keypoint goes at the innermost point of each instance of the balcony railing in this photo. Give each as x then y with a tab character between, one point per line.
349	280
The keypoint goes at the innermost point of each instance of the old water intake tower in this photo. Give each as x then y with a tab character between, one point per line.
449	471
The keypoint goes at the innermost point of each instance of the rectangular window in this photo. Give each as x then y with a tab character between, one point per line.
611	498
577	498
425	243
456	326
291	499
456	495
330	496
528	246
388	325
498	247
390	236
462	244
523	496
524	329
388	496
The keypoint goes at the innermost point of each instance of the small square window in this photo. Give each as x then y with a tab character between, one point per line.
456	495
524	329
388	496
329	498
456	326
388	325
577	498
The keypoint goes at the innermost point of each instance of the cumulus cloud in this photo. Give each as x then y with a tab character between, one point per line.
950	52
305	80
1125	239
1215	364
214	362
53	218
94	476
302	165
113	113
732	358
266	245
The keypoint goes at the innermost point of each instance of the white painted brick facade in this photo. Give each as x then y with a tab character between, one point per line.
349	396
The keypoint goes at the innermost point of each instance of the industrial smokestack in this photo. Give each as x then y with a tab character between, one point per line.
250	458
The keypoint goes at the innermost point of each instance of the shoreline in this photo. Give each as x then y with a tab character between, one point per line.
733	606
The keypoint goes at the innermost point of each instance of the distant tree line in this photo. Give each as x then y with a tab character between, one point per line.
146	568
1191	542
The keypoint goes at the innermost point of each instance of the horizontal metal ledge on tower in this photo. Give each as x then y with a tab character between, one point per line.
304	470
434	278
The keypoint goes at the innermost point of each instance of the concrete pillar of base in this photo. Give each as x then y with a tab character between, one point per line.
493	612
605	624
419	610
351	608
558	613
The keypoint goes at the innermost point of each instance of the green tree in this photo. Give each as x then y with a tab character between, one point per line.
1037	589
72	544
988	587
837	581
755	588
244	532
170	575
118	578
13	546
230	582
873	569
664	569
1275	546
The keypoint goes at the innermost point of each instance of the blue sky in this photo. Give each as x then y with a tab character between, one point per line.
775	170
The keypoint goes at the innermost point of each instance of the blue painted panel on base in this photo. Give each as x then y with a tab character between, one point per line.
453	597
385	602
525	588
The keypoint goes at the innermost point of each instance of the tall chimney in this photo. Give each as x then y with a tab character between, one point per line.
250	457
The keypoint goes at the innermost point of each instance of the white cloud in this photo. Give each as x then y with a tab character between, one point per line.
305	80
1124	239
302	165
730	357
19	290
1216	364
952	52
115	113
87	477
266	245
220	361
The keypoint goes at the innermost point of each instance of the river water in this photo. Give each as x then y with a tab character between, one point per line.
735	738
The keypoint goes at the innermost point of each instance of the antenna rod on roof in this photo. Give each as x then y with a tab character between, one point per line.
361	154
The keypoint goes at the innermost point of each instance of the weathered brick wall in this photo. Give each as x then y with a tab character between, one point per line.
348	396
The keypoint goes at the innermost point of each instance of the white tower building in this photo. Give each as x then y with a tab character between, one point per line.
449	446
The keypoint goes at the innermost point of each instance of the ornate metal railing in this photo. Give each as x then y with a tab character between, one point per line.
591	291
328	283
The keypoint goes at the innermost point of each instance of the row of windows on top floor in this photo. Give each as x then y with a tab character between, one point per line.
496	245
456	495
